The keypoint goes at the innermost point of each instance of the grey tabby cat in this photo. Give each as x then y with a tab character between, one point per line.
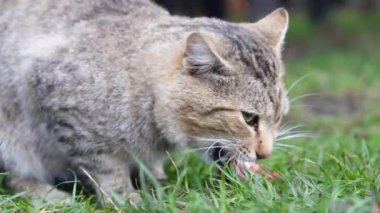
86	85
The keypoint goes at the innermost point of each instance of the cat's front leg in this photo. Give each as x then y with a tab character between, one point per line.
111	176
157	168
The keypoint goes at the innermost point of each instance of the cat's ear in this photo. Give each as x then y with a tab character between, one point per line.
199	57
273	27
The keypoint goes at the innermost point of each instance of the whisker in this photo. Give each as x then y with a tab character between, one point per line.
289	127
302	106
299	135
281	145
285	125
203	148
303	96
226	146
279	148
291	133
287	130
222	141
208	150
230	159
298	81
212	139
220	151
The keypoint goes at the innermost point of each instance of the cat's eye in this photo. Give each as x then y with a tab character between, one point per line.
251	119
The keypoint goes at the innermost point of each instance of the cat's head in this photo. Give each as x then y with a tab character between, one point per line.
229	90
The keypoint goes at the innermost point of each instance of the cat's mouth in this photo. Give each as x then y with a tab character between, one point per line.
242	168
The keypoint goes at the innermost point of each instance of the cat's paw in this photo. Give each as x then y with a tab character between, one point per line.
39	193
159	174
157	169
134	199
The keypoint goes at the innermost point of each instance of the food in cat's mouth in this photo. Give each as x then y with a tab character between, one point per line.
242	168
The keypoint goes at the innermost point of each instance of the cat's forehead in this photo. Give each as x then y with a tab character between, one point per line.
254	96
250	94
255	70
247	53
251	56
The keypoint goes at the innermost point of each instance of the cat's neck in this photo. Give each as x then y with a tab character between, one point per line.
161	69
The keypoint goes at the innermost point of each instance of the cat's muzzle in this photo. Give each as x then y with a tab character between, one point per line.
242	166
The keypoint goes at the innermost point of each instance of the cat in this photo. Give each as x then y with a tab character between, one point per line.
87	86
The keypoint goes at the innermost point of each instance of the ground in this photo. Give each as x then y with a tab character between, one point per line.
336	98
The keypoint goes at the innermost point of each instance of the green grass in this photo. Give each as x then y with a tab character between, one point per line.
337	170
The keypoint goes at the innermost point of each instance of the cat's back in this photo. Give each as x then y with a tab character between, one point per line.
75	46
79	31
21	20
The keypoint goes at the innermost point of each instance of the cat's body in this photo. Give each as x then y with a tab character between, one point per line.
87	84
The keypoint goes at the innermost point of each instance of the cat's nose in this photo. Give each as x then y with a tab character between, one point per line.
261	146
262	149
261	156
